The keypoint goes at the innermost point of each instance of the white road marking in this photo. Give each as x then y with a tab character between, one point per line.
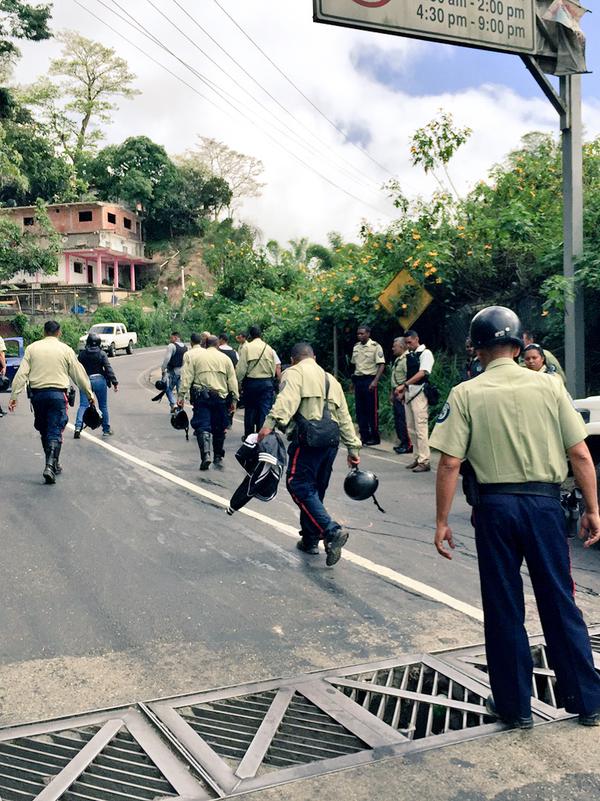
401	580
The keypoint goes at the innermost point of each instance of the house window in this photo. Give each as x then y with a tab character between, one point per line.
57	211
28	221
112	218
78	267
85	216
137	228
127	223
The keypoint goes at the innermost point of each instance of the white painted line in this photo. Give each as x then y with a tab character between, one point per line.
401	580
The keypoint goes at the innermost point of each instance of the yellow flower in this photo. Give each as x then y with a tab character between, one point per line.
375	244
433	270
389	246
284	309
438	280
428	265
317	318
469	252
416	235
377	305
432	253
545	313
355	298
487	247
532	193
461	236
404	306
416	262
365	260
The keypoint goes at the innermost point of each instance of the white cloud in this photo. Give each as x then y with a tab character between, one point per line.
318	58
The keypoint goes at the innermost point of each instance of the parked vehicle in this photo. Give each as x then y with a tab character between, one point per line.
113	337
589	409
15	349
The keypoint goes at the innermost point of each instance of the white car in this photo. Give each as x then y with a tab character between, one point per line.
590	411
113	337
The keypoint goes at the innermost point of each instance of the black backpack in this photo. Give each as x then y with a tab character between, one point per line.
176	359
323	433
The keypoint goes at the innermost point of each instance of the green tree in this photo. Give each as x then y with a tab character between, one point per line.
20	20
91	78
29	251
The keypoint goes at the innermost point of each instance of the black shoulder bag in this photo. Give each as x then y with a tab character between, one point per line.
323	433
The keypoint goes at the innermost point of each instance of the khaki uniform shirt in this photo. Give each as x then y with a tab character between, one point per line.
399	371
257	360
208	368
513	425
367	358
303	390
50	363
2	346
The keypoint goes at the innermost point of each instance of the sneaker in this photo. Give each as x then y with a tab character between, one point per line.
334	545
312	549
423	467
401	449
590	720
205	464
412	465
77	433
108	433
516	723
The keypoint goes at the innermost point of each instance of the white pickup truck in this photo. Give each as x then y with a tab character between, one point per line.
113	337
590	411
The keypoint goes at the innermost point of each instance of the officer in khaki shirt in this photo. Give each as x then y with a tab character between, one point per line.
48	367
398	379
305	388
208	375
2	367
256	372
369	364
514	427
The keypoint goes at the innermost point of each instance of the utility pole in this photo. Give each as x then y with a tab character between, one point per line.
572	157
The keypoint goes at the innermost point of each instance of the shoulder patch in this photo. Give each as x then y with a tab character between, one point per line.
444	413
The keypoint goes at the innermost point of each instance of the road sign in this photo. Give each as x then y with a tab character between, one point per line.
504	25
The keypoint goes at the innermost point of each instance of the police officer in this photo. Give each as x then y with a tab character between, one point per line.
369	364
473	366
48	366
208	375
398	378
305	389
255	372
551	360
514	427
171	366
419	364
2	367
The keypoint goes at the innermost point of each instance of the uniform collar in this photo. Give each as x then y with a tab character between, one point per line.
502	362
364	344
420	349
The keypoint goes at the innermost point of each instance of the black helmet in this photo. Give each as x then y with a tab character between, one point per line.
92	418
360	484
93	341
495	325
161	385
180	421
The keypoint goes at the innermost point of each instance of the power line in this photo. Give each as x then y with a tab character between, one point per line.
141	29
347	139
296	119
302	142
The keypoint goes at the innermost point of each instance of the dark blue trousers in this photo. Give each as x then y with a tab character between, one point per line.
258	399
508	529
308	474
49	413
211	415
400	423
367	411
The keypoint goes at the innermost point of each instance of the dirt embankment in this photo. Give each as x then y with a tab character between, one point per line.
170	257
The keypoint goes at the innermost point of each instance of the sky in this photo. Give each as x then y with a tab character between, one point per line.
323	167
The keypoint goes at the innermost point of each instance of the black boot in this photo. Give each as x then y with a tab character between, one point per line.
205	442
53	449
58	466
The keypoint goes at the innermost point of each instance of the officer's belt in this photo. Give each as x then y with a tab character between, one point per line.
542	488
48	389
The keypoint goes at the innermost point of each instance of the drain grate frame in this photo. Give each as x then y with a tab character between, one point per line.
226	742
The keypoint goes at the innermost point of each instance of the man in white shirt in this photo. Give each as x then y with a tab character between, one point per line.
419	364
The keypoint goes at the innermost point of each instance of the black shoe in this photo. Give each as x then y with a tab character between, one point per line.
77	433
312	549
334	545
590	720
516	723
372	442
205	464
402	449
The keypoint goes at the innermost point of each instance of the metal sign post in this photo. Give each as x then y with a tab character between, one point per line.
507	26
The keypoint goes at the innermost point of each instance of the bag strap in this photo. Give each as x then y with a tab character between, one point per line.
256	361
326	411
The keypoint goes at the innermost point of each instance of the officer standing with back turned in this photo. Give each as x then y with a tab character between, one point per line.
48	367
256	371
208	375
514	427
369	364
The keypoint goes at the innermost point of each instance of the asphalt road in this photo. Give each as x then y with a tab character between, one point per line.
120	584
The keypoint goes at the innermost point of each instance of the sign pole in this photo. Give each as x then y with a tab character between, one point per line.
572	158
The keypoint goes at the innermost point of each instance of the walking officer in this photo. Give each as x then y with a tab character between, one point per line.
369	364
398	379
514	427
48	367
256	372
308	393
208	375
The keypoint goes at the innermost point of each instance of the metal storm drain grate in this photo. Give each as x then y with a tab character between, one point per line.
227	742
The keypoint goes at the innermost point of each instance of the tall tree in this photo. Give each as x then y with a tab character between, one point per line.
92	78
29	251
240	172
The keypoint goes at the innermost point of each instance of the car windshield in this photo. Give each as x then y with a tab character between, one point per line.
12	347
102	329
